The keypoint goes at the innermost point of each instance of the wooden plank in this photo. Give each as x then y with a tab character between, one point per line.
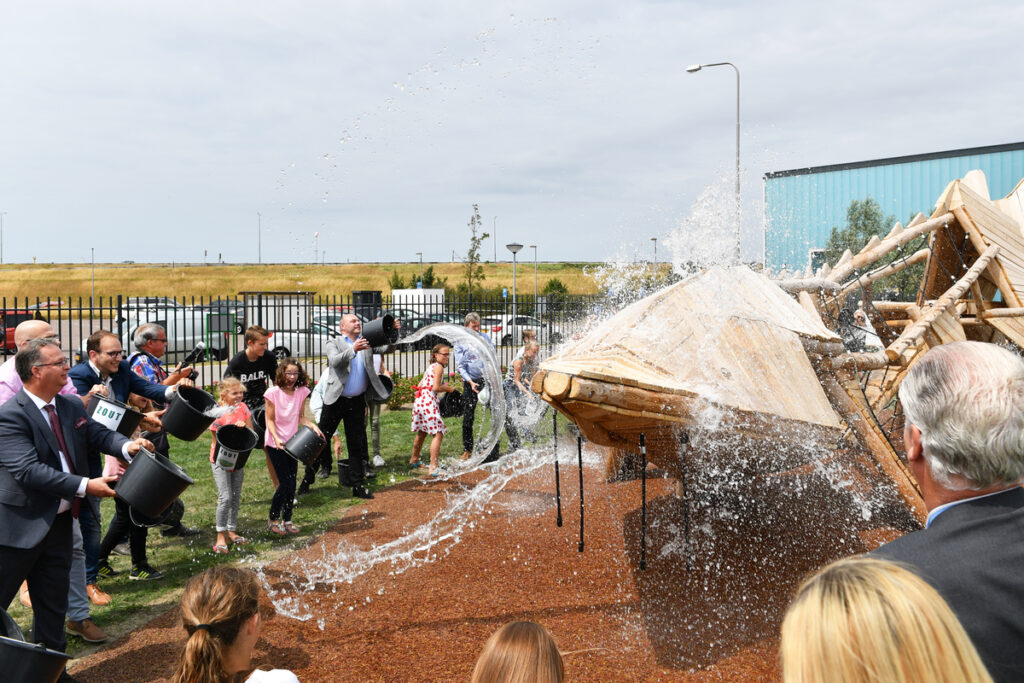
913	333
995	269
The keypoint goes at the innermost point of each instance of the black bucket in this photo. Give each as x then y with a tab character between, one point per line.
21	661
233	446
259	425
151	483
389	387
114	414
305	446
381	332
190	413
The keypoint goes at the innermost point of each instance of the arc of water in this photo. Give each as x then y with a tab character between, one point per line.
457	334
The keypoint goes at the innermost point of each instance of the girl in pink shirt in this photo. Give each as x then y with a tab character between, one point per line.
285	410
229	482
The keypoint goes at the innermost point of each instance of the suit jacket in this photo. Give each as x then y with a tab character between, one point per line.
339	359
32	483
973	555
122	382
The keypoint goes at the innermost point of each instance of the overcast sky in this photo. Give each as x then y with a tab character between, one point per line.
155	131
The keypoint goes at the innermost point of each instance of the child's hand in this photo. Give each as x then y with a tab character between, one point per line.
240	423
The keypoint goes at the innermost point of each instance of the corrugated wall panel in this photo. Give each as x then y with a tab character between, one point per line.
801	209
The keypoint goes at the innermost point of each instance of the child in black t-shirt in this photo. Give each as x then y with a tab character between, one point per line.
256	369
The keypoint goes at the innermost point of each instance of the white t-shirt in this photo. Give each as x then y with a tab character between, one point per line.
274	676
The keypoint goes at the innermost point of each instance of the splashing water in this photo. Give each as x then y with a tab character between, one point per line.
426	543
478	344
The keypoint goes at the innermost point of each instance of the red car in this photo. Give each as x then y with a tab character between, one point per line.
10	319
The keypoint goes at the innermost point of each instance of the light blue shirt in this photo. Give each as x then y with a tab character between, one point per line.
468	362
942	508
357	380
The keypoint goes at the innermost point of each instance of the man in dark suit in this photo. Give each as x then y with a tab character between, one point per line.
964	437
108	368
44	439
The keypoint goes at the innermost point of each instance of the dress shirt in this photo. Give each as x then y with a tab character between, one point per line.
357	379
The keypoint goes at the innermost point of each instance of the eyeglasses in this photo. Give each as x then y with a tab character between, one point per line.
160	339
57	363
113	354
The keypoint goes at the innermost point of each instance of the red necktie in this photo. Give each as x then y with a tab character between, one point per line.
76	502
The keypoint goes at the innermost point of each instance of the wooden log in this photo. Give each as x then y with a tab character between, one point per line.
893	309
863	426
554	384
1002	313
794	285
805	300
822	348
856	361
912	334
885	271
998	273
844	269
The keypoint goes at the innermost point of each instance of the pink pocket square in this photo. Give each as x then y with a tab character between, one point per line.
81	422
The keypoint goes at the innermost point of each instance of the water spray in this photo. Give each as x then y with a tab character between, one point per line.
684	439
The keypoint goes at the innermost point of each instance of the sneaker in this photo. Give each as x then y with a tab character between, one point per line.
379	461
180	530
122	549
87	630
303	489
145	573
97	595
104	569
361	492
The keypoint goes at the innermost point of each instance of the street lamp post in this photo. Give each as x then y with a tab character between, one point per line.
514	248
694	68
420	254
655	240
534	247
2	214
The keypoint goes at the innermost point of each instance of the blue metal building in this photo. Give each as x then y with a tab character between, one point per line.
803	205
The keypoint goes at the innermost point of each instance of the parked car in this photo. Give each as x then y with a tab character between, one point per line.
508	331
306	343
9	320
453	318
411	325
138	307
232	307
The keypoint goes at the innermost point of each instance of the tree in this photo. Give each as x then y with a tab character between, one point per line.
864	220
473	269
433	281
396	280
555	290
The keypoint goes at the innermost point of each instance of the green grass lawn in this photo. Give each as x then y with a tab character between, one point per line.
134	602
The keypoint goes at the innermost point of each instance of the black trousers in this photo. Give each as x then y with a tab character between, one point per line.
351	411
47	567
121	526
469	401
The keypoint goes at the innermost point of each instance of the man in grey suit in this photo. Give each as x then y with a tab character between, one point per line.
349	364
964	437
44	440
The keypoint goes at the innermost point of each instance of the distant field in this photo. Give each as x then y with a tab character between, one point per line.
64	280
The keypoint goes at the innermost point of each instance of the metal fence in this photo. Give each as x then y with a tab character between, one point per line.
300	323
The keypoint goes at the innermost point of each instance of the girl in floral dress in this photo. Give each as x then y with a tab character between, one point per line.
426	415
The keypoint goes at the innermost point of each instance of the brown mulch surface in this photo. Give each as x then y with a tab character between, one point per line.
752	539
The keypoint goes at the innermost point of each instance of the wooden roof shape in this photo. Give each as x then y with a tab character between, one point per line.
726	339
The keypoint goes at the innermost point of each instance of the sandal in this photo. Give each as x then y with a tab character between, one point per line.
220	549
291	528
415	464
275	527
239	540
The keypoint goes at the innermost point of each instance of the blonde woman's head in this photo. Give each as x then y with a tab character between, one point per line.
519	652
862	620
